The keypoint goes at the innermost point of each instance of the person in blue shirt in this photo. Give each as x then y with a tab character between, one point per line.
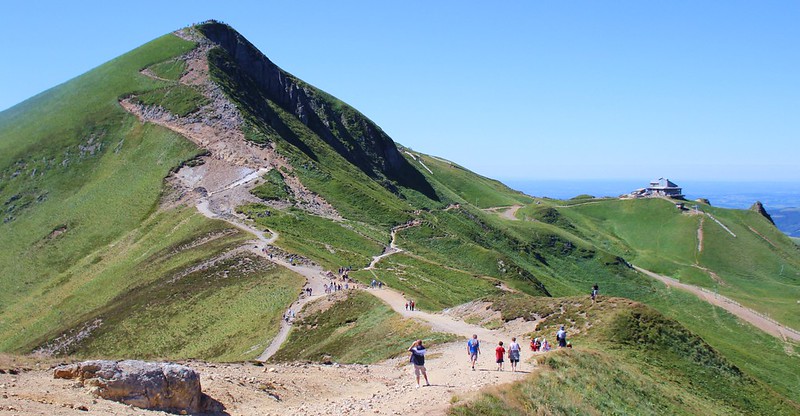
473	349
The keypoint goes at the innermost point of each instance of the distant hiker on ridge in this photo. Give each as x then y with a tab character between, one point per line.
595	290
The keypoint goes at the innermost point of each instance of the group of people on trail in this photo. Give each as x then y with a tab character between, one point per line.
542	345
289	315
501	352
376	283
410	305
513	351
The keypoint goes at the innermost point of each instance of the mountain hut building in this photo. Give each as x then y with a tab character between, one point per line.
664	187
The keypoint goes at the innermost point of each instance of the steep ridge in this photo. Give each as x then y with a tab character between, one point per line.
346	130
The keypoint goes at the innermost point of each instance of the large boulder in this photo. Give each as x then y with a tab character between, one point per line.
157	386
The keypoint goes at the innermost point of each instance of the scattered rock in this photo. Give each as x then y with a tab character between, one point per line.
156	386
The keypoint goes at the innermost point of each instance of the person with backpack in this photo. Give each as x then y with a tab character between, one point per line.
473	349
561	337
417	351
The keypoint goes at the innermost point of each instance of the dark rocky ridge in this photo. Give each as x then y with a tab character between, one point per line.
346	130
759	208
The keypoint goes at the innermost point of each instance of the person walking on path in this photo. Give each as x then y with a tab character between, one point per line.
473	349
499	353
513	354
595	290
418	359
561	337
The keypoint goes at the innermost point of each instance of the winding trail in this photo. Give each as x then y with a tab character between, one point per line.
746	314
393	248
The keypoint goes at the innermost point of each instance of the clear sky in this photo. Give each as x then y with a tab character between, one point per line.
513	90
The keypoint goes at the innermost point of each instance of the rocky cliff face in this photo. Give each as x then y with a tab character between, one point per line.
350	133
759	208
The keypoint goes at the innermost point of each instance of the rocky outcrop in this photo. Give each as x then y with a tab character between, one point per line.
759	208
346	130
703	201
157	386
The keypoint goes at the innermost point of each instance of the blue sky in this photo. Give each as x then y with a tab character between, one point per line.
513	90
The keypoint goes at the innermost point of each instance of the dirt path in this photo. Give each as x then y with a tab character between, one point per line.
509	213
746	314
393	248
700	235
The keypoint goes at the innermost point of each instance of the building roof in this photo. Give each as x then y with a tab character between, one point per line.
663	183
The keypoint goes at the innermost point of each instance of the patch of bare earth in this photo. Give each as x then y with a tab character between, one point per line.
217	127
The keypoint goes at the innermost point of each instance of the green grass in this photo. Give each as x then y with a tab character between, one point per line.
759	267
171	69
80	182
469	187
273	188
227	312
430	285
628	359
164	245
356	329
330	243
178	99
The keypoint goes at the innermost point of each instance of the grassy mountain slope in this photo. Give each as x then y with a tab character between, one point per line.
628	359
758	267
82	238
87	249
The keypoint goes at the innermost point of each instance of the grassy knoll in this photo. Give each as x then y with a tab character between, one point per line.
759	267
164	245
273	188
628	359
356	328
431	285
328	242
227	312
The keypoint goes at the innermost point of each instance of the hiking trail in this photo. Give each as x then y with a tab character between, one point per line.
755	318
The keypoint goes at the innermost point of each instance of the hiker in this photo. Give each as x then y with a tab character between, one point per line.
418	359
561	337
499	352
545	346
406	305
533	344
412	305
595	290
473	349
513	354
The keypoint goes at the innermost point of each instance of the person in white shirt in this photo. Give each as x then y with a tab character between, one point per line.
513	354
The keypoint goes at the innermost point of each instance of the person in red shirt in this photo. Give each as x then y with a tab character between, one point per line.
499	352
